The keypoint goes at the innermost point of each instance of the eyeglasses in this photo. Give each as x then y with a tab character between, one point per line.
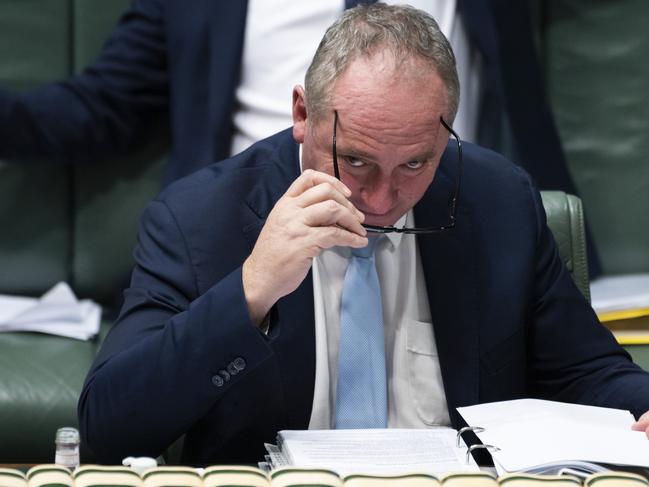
421	230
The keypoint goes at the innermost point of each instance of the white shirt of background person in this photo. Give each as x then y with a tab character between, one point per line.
281	37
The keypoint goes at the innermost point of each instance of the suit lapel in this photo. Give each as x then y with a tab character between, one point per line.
292	334
449	260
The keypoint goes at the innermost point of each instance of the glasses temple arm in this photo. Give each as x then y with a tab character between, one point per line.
456	197
333	147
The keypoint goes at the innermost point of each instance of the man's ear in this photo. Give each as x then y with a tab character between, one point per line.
299	114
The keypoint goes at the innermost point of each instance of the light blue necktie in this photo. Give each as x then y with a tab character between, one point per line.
361	397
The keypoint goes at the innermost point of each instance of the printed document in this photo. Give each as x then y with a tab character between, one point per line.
376	451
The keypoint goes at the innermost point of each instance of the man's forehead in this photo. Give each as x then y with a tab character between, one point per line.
381	85
373	139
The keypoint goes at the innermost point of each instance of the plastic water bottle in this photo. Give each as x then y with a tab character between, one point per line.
67	447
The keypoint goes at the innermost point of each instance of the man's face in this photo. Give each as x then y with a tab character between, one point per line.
389	137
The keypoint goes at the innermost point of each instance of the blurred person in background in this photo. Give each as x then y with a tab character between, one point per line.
220	75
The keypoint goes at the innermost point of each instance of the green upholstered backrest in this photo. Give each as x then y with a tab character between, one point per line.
35	212
597	73
59	223
566	221
110	194
39	387
62	222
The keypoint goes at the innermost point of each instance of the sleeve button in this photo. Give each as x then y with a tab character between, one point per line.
239	363
224	374
217	380
232	369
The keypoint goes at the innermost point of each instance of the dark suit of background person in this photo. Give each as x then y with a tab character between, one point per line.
508	320
176	62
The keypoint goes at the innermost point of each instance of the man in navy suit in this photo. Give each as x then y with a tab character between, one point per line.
229	330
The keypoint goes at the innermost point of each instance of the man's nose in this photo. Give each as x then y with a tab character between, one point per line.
379	198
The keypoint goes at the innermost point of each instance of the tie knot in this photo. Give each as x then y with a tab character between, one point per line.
366	252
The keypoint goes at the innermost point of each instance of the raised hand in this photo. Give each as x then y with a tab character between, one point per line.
314	214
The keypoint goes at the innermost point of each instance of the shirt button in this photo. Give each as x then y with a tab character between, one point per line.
217	380
239	363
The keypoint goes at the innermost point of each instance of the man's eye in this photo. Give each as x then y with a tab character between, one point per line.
414	164
355	162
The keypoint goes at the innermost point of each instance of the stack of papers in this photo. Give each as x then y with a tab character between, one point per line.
57	312
622	304
615	296
372	451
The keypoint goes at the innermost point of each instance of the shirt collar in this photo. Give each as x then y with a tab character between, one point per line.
395	238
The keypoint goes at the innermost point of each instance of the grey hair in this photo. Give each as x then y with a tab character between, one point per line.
363	31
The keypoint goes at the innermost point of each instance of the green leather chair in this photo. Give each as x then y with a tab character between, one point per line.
566	220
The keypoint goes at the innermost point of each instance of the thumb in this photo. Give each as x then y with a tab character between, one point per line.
642	424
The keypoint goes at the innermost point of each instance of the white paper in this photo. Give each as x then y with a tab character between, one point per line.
275	456
377	451
620	293
493	415
532	432
57	312
578	468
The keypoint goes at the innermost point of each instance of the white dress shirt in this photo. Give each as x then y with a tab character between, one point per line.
416	397
281	37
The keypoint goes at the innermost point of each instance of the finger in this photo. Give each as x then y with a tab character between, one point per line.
327	237
311	178
639	427
330	213
642	424
323	192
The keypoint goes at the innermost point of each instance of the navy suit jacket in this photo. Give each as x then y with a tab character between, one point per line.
184	357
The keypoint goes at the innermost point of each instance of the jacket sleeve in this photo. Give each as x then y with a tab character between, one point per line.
160	370
104	109
576	358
